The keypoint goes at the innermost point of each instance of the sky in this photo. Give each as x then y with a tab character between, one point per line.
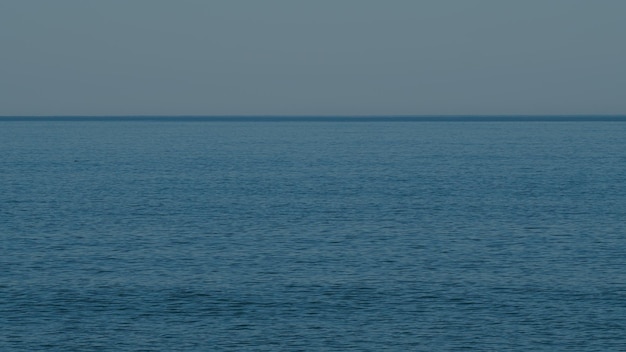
314	57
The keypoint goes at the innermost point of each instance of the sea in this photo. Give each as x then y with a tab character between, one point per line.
313	234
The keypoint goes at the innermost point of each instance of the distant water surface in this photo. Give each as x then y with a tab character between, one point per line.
292	235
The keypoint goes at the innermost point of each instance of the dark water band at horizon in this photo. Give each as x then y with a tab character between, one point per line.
312	118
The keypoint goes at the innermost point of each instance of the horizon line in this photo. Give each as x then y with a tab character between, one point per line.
315	118
314	115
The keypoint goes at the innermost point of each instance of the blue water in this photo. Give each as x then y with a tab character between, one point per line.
312	236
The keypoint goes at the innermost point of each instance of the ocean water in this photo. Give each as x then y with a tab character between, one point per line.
337	235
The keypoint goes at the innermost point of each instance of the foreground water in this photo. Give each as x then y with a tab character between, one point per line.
304	236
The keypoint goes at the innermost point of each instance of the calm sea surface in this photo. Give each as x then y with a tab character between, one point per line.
312	236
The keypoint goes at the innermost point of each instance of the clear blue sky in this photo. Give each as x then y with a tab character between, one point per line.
318	57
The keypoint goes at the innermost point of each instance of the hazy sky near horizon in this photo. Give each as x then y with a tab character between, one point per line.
321	57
